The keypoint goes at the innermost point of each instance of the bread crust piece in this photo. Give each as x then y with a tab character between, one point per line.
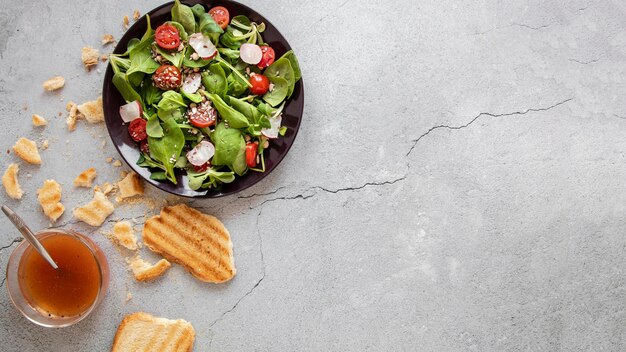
92	110
143	332
96	211
27	150
85	178
130	185
144	271
49	196
54	83
124	234
197	241
10	183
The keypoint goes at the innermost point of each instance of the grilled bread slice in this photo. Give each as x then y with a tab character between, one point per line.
95	212
142	332
197	241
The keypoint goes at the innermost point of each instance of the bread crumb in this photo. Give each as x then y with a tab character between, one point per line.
96	211
107	39
92	110
73	116
117	163
129	296
125	22
10	183
39	121
27	150
85	178
54	83
44	144
104	57
105	188
49	196
68	106
125	235
144	271
136	15
130	186
90	57
109	159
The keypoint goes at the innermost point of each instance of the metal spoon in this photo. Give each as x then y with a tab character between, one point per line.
28	235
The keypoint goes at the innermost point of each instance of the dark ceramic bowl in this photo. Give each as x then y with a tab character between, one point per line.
112	100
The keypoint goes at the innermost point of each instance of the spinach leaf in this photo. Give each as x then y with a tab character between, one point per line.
229	53
242	22
228	144
135	79
153	127
119	64
175	57
282	68
194	97
214	80
230	38
174	114
158	176
183	15
233	117
196	180
146	161
279	93
265	109
206	23
151	94
167	149
239	164
171	100
235	87
126	90
295	65
248	110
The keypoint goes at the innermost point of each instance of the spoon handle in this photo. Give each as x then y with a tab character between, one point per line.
28	234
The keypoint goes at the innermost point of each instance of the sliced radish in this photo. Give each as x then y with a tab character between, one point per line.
130	111
250	53
191	83
202	45
201	153
272	132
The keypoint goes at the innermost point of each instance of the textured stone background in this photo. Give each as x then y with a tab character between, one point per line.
457	183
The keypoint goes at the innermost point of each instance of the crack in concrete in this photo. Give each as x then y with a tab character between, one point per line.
14	241
584	62
531	27
255	285
415	141
261	194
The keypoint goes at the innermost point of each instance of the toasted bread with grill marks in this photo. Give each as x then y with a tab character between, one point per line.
197	241
142	332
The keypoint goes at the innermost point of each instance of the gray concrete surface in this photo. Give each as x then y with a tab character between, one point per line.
457	183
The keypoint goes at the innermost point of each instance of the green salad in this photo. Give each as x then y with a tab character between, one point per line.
204	95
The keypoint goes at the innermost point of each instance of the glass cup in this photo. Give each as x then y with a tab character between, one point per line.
24	297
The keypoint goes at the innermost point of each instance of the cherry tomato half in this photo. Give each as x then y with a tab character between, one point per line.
260	84
143	146
167	77
137	129
220	16
167	36
201	168
251	149
268	56
202	116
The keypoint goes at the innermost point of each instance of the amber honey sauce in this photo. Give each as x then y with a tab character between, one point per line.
68	291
